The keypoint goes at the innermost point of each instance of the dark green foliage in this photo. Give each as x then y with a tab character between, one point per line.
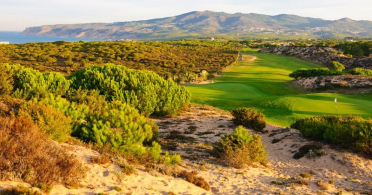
356	49
338	66
144	90
240	149
249	118
6	81
360	71
118	124
313	72
348	132
30	83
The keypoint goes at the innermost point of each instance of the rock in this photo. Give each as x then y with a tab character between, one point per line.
321	55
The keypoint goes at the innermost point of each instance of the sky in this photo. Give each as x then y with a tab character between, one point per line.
16	15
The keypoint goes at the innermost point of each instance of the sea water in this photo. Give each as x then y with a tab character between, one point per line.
17	37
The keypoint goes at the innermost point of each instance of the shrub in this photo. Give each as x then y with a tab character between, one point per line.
194	179
119	125
313	72
361	71
26	154
305	175
249	118
30	83
18	191
50	121
144	90
118	189
240	149
100	159
128	169
348	132
172	159
6	81
115	123
338	66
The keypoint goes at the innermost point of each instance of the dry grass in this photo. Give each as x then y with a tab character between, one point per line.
194	179
50	121
28	155
305	175
18	191
323	185
8	105
100	159
128	169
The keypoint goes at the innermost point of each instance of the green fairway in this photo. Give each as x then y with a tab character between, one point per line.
262	84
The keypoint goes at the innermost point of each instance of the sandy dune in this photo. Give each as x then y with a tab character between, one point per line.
201	126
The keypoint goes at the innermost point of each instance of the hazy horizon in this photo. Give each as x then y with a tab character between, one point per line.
16	15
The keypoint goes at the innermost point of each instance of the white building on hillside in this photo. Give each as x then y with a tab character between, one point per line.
3	43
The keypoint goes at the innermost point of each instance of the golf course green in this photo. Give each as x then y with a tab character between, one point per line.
263	84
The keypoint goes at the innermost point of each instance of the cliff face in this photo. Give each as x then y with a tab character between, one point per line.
208	23
321	55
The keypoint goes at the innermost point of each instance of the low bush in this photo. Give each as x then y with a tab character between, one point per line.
6	81
28	155
347	132
194	179
338	66
360	71
19	190
144	90
29	83
102	159
313	72
240	149
128	169
50	121
120	125
249	118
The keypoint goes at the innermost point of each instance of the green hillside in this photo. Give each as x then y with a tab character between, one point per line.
263	84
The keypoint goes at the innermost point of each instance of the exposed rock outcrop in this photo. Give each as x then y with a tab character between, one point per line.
321	55
350	81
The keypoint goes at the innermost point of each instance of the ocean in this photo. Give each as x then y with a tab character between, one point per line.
17	37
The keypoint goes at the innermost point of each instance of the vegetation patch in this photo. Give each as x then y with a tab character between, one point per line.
249	118
205	133
348	132
314	72
240	149
26	154
102	159
360	71
194	179
304	150
144	90
177	135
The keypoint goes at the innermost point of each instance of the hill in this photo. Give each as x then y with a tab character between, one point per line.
208	23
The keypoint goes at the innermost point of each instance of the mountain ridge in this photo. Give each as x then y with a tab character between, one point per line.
208	23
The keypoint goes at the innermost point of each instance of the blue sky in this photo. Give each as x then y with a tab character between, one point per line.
16	15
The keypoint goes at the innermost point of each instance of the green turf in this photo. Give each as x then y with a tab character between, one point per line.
263	84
